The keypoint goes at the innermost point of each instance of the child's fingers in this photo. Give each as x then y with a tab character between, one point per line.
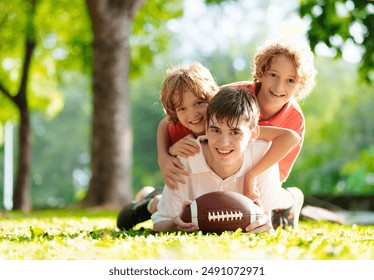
179	168
188	148
172	180
175	174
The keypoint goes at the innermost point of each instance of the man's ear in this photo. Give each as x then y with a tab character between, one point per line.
254	133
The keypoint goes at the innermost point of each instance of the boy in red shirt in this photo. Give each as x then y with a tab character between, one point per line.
283	72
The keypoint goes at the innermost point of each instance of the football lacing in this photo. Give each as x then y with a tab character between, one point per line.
221	217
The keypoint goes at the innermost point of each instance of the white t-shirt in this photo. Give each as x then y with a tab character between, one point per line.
202	180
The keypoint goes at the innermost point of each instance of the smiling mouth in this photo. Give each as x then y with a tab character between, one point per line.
196	121
277	95
223	152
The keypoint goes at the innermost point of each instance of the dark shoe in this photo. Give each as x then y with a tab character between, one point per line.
135	212
289	217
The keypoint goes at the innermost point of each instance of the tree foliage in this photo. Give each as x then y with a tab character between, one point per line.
61	49
336	134
57	48
336	23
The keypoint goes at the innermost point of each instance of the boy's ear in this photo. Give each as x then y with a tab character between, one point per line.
254	133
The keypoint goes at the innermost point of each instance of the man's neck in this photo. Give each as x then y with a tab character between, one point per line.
223	171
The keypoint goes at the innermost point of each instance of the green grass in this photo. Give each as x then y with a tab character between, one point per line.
92	235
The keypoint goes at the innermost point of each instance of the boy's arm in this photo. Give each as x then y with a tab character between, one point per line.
286	164
282	141
240	84
171	168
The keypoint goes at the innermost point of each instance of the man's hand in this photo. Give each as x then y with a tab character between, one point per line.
261	225
184	147
186	227
172	171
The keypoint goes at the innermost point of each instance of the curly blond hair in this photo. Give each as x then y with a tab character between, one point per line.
193	77
299	53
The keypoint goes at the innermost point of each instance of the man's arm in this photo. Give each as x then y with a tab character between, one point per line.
170	207
176	224
165	226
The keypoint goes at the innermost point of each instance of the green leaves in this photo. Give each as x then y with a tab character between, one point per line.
150	34
339	23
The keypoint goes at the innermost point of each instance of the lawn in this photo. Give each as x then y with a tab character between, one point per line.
92	235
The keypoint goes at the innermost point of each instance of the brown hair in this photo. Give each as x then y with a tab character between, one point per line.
300	54
193	77
232	105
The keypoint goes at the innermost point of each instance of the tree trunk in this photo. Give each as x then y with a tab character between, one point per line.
21	198
111	154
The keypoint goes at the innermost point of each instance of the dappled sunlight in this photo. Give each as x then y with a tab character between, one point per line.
84	236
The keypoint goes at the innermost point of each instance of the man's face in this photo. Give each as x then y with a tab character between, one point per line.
228	143
191	112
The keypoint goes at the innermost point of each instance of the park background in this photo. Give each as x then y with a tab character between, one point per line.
337	159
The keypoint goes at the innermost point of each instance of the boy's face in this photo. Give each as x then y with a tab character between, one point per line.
191	112
279	84
228	143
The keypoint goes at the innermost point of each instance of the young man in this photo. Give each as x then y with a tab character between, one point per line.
229	151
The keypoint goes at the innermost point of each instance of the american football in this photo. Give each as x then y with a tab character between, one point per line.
220	211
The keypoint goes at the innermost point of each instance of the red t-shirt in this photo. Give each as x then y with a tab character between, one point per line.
290	117
177	132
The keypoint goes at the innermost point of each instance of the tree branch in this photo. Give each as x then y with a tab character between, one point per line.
6	92
30	46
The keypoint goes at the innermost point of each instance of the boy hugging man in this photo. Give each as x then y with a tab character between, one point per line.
229	150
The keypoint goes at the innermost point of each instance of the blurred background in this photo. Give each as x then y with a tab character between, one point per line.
336	163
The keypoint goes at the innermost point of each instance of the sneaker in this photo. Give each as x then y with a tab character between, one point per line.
143	193
289	217
136	212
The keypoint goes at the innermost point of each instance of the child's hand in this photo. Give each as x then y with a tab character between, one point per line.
184	147
250	189
172	172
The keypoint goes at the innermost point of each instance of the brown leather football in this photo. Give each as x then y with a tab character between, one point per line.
220	211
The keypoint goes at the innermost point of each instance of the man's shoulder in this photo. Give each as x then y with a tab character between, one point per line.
196	163
261	145
257	150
